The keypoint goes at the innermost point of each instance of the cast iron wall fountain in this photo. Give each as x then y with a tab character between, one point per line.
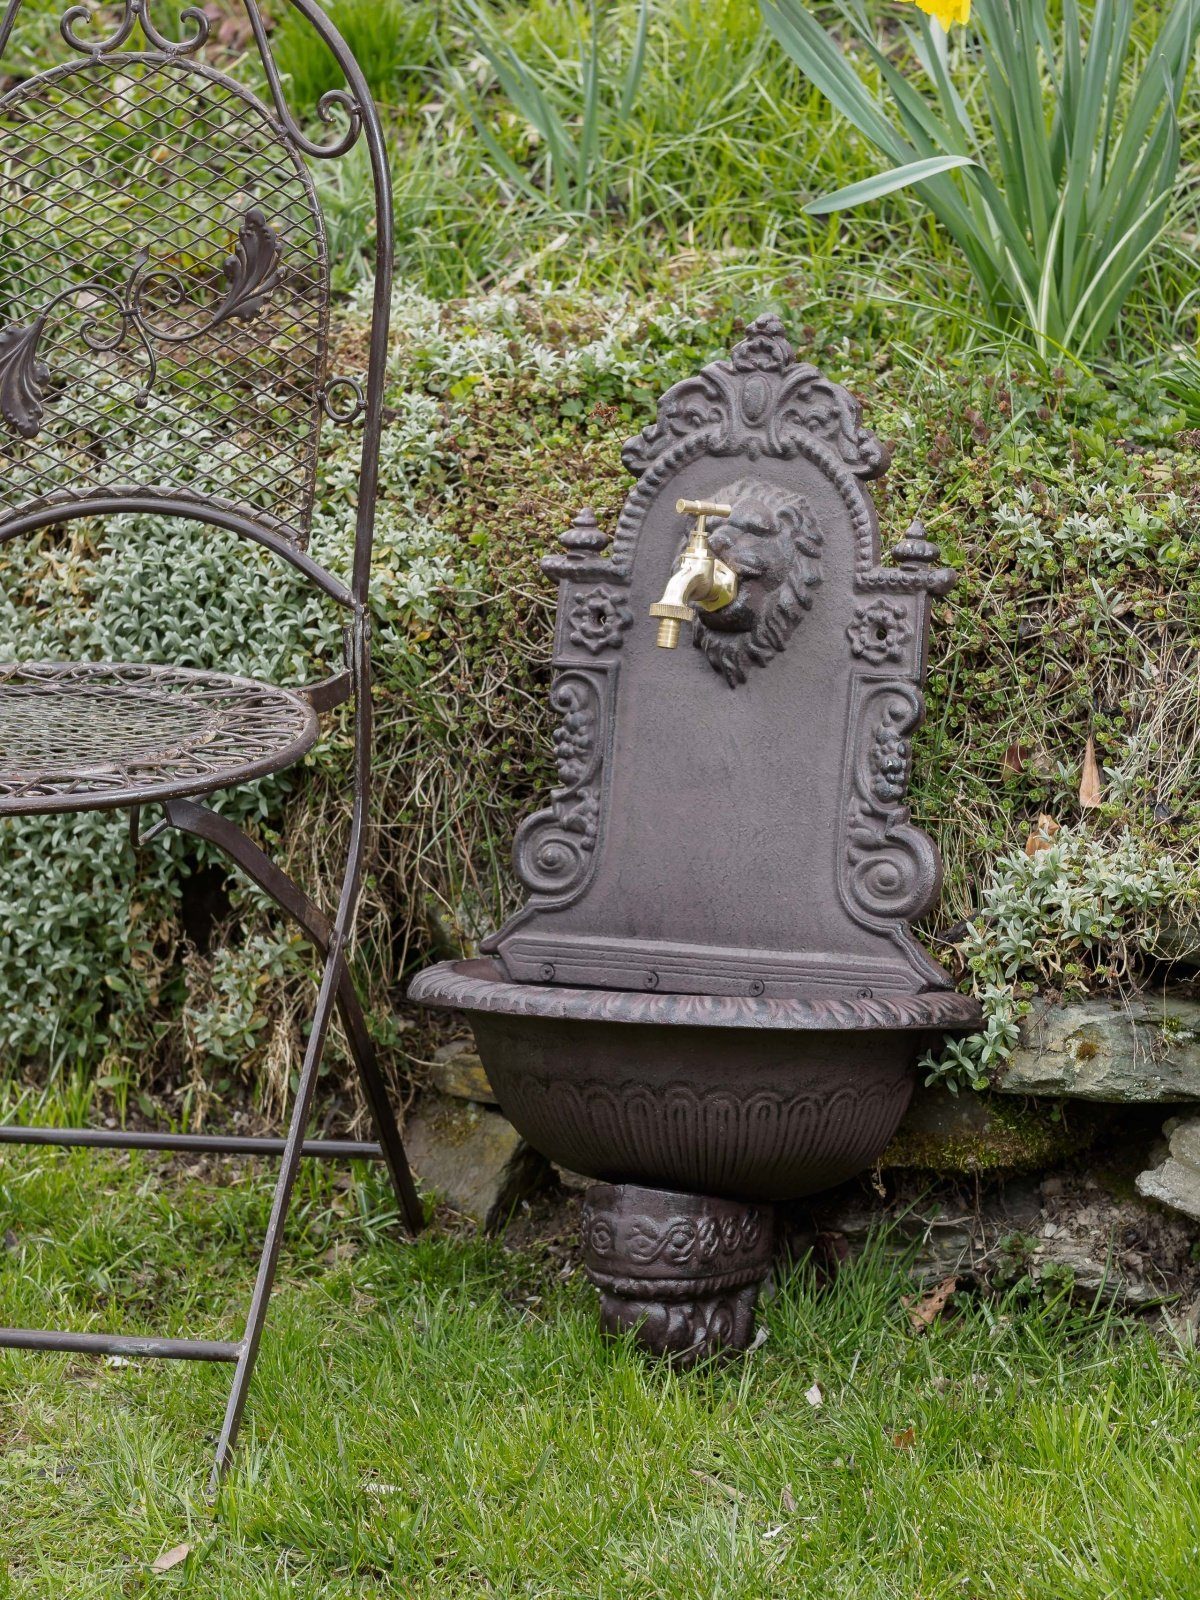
711	1000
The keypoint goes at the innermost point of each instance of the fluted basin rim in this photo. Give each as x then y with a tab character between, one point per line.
479	985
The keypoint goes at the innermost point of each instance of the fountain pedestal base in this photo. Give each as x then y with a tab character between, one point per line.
682	1271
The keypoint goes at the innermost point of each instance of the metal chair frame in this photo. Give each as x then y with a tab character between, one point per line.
146	326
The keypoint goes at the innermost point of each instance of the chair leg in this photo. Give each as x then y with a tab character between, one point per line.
336	989
188	817
269	1261
365	1060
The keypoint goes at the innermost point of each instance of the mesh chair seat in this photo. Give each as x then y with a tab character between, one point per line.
85	737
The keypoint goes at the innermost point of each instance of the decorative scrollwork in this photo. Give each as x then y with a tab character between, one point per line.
23	377
193	14
760	402
891	872
252	271
337	410
252	274
135	11
335	105
553	848
677	1241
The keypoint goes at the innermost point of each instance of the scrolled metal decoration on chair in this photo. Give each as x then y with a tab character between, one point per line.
252	273
135	12
151	316
23	378
175	319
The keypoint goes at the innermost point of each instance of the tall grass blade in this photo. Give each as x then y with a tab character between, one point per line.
855	194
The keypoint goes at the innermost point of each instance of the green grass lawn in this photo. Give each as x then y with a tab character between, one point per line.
443	1419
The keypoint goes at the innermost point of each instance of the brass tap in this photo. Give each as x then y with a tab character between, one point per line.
699	579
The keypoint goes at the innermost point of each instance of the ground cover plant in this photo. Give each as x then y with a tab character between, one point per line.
443	1420
540	313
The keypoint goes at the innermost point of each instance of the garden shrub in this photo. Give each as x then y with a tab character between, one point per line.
1064	503
1078	914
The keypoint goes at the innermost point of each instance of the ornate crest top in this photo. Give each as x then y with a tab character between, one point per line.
760	402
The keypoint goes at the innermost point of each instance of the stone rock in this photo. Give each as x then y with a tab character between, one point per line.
474	1158
1176	1181
1071	1232
1174	1184
938	1238
1184	1136
458	1072
1180	942
1143	1049
576	1182
968	1132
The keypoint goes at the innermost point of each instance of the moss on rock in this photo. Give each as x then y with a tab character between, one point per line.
946	1133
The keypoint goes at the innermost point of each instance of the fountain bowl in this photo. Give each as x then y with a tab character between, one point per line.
742	1098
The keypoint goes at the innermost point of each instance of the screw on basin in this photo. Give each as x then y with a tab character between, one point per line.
546	971
650	980
757	986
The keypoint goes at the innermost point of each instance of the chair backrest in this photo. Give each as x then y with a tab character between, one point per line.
165	281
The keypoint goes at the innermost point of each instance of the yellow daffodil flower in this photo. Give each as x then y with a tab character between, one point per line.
947	12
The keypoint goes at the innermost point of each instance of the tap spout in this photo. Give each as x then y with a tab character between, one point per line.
698	579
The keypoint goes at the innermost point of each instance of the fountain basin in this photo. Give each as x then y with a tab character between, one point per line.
751	1099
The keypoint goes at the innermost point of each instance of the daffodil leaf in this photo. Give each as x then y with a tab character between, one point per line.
857	194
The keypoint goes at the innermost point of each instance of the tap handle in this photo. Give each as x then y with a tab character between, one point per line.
702	508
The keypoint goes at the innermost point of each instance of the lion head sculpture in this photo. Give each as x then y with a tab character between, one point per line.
772	542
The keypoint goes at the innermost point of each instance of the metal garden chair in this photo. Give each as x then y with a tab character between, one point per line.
164	333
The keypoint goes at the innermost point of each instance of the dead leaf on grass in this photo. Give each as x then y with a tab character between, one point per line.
905	1439
1012	763
924	1312
172	1558
814	1395
1042	836
726	1489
